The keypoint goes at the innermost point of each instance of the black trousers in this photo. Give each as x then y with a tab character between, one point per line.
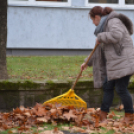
120	86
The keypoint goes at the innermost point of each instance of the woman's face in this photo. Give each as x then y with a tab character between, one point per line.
96	20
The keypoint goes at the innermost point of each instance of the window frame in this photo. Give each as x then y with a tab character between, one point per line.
38	3
120	5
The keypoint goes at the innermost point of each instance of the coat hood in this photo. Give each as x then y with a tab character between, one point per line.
126	21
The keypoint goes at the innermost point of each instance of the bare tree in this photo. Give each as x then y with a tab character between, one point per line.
3	39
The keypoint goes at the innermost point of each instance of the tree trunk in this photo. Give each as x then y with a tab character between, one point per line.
3	39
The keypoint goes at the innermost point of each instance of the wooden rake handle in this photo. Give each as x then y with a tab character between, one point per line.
85	65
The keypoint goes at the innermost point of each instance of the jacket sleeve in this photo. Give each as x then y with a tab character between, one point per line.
115	33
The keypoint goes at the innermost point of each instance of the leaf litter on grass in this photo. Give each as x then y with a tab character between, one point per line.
23	120
46	67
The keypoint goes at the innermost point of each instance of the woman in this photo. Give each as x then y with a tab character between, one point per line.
113	60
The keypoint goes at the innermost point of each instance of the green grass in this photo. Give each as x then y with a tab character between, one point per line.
46	126
46	68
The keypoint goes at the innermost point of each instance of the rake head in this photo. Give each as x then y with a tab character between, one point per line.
68	99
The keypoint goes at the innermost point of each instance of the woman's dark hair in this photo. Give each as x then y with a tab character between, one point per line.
98	10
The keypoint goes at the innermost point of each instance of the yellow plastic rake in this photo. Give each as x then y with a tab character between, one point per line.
70	98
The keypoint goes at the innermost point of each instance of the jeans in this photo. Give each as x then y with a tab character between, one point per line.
121	89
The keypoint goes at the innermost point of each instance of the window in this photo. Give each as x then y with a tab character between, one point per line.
40	2
116	4
54	0
103	1
129	1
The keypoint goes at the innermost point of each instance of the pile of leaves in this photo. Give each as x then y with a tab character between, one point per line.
24	118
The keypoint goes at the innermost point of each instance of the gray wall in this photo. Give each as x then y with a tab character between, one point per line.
51	28
38	27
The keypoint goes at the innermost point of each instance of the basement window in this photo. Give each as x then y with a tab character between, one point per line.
41	3
129	1
53	0
115	4
103	1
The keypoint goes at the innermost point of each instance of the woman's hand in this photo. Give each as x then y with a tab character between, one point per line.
97	42
83	66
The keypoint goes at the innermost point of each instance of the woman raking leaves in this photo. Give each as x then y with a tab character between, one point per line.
113	60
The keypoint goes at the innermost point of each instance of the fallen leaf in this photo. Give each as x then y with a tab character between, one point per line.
42	119
40	128
12	131
70	115
116	124
65	128
46	132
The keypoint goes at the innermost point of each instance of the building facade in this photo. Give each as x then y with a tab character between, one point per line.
55	27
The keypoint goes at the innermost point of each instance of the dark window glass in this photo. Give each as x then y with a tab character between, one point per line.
129	1
54	0
103	1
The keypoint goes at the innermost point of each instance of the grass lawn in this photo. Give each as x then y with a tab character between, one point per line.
46	68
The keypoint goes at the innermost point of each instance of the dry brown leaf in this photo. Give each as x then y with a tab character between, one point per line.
90	110
53	111
103	124
58	105
110	124
65	128
42	119
40	128
98	109
56	131
17	111
62	117
6	115
45	127
88	117
69	115
54	123
5	127
119	116
19	116
129	130
23	128
116	124
122	129
12	131
79	118
121	107
86	123
116	129
91	127
59	111
27	114
89	131
46	132
41	111
22	108
78	129
109	128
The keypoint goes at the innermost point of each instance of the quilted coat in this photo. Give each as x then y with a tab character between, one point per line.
114	56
